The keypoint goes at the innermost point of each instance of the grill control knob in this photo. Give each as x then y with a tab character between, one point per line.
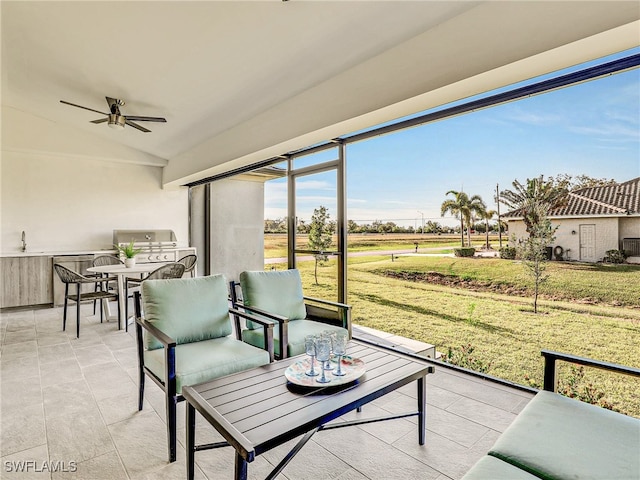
150	258
166	257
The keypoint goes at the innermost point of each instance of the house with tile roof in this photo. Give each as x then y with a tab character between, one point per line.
594	220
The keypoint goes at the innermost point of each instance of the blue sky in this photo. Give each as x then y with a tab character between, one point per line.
591	129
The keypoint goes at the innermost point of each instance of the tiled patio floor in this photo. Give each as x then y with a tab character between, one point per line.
75	400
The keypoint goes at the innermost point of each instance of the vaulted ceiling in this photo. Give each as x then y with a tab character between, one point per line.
239	81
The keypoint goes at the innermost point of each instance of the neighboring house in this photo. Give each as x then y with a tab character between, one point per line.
594	220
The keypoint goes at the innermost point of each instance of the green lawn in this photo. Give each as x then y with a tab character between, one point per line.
589	310
276	244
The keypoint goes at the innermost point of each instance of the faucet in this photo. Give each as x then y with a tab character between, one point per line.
24	243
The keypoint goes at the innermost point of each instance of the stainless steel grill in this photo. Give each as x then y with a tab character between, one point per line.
156	245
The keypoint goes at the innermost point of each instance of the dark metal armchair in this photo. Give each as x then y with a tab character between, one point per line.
277	296
186	338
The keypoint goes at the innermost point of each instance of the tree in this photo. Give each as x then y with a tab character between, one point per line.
486	216
533	252
570	183
534	201
320	237
462	206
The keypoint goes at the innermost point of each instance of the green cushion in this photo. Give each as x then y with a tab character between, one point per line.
491	468
297	331
555	437
187	309
274	291
202	361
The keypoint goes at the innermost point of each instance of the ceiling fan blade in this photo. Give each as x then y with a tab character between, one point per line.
146	119
102	120
135	125
85	108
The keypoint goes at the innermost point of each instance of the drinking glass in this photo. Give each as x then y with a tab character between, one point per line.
323	352
310	349
339	349
328	334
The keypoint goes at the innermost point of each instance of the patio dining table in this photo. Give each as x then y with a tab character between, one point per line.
122	272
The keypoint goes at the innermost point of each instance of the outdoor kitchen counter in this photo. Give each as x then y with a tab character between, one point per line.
55	253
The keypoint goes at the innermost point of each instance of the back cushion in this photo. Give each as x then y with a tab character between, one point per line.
275	291
187	309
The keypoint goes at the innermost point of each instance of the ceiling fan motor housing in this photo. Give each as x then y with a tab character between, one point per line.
116	121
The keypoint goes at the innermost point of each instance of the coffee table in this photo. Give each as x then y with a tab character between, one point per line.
257	410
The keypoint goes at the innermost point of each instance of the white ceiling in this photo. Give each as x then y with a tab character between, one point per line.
241	81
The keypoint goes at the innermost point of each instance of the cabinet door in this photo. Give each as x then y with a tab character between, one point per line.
35	274
26	281
10	282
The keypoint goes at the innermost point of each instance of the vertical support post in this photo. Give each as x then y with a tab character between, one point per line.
550	381
191	440
342	222
422	410
207	229
498	210
291	221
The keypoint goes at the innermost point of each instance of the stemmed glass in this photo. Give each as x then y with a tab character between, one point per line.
329	334
323	352
339	349
310	349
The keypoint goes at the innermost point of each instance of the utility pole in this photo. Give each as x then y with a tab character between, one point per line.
422	215
499	221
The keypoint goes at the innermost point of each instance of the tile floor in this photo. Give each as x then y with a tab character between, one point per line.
71	404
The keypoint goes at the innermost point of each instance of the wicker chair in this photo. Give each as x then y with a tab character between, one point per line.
68	277
132	285
189	262
99	261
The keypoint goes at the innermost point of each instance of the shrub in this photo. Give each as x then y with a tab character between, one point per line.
464	252
508	253
575	386
463	357
614	256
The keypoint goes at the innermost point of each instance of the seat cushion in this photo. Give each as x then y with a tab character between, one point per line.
275	291
187	309
202	361
492	468
297	331
559	437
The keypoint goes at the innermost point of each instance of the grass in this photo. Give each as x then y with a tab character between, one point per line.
276	244
616	285
596	315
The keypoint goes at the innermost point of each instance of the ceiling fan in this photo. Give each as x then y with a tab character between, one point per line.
115	119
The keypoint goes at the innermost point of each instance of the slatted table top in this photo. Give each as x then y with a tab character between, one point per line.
258	409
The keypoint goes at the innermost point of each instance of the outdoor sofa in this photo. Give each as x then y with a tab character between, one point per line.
556	437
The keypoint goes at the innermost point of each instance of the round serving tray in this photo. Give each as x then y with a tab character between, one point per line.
354	368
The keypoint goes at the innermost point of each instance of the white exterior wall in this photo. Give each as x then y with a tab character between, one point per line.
68	204
607	234
630	227
237	227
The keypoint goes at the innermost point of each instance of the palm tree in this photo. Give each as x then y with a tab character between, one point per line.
534	200
486	216
462	207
